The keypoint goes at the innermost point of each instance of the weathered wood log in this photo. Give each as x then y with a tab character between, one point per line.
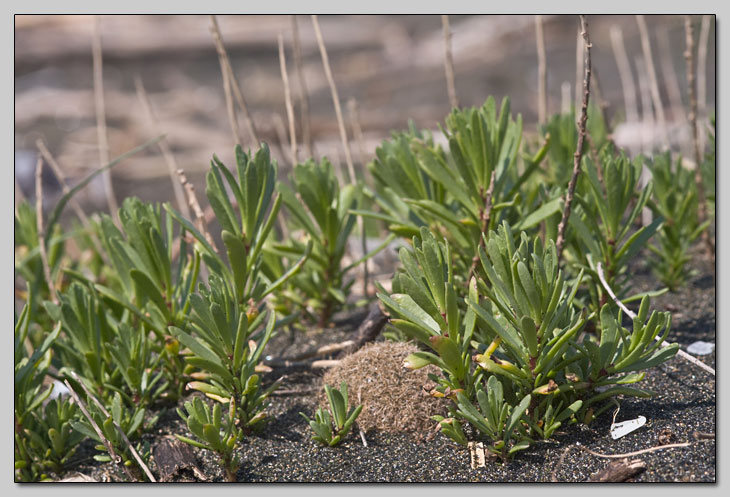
619	471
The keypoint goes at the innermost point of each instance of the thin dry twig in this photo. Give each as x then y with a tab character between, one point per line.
101	407
692	117
648	128
172	166
669	76
58	172
84	410
288	101
579	63
653	84
624	71
581	138
193	202
541	72
303	93
39	226
449	63
485	215
335	98
101	119
226	74
632	315
636	453
357	133
702	75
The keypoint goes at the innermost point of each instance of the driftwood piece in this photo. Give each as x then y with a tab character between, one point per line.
368	330
619	471
171	455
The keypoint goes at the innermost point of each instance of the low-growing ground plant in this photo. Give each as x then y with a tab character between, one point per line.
521	324
331	427
674	199
215	431
319	209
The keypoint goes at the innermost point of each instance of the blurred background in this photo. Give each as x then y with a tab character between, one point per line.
161	74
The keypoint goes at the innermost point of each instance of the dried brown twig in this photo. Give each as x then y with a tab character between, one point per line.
101	120
172	166
692	117
288	101
101	407
631	314
625	74
303	93
485	215
581	137
449	63
541	72
230	85
653	84
357	133
39	226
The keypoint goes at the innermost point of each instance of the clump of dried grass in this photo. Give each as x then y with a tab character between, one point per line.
393	397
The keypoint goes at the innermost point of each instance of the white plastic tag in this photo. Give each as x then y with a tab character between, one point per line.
618	430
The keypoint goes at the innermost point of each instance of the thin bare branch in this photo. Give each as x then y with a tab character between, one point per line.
39	226
101	120
702	78
625	74
692	117
541	72
303	93
485	214
653	84
335	98
288	101
46	154
164	146
357	133
109	448
226	74
632	315
101	407
581	137
449	62
648	124
200	218
579	63
669	76
635	453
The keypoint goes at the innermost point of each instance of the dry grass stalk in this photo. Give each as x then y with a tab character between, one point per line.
581	138
541	72
99	105
335	98
669	75
632	315
692	117
653	84
303	93
226	74
39	226
58	172
625	74
565	97
449	63
225	62
485	214
288	101
101	407
702	77
172	166
579	50
85	411
648	127
199	214
357	133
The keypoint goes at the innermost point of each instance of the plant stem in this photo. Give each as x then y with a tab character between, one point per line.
581	138
449	63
